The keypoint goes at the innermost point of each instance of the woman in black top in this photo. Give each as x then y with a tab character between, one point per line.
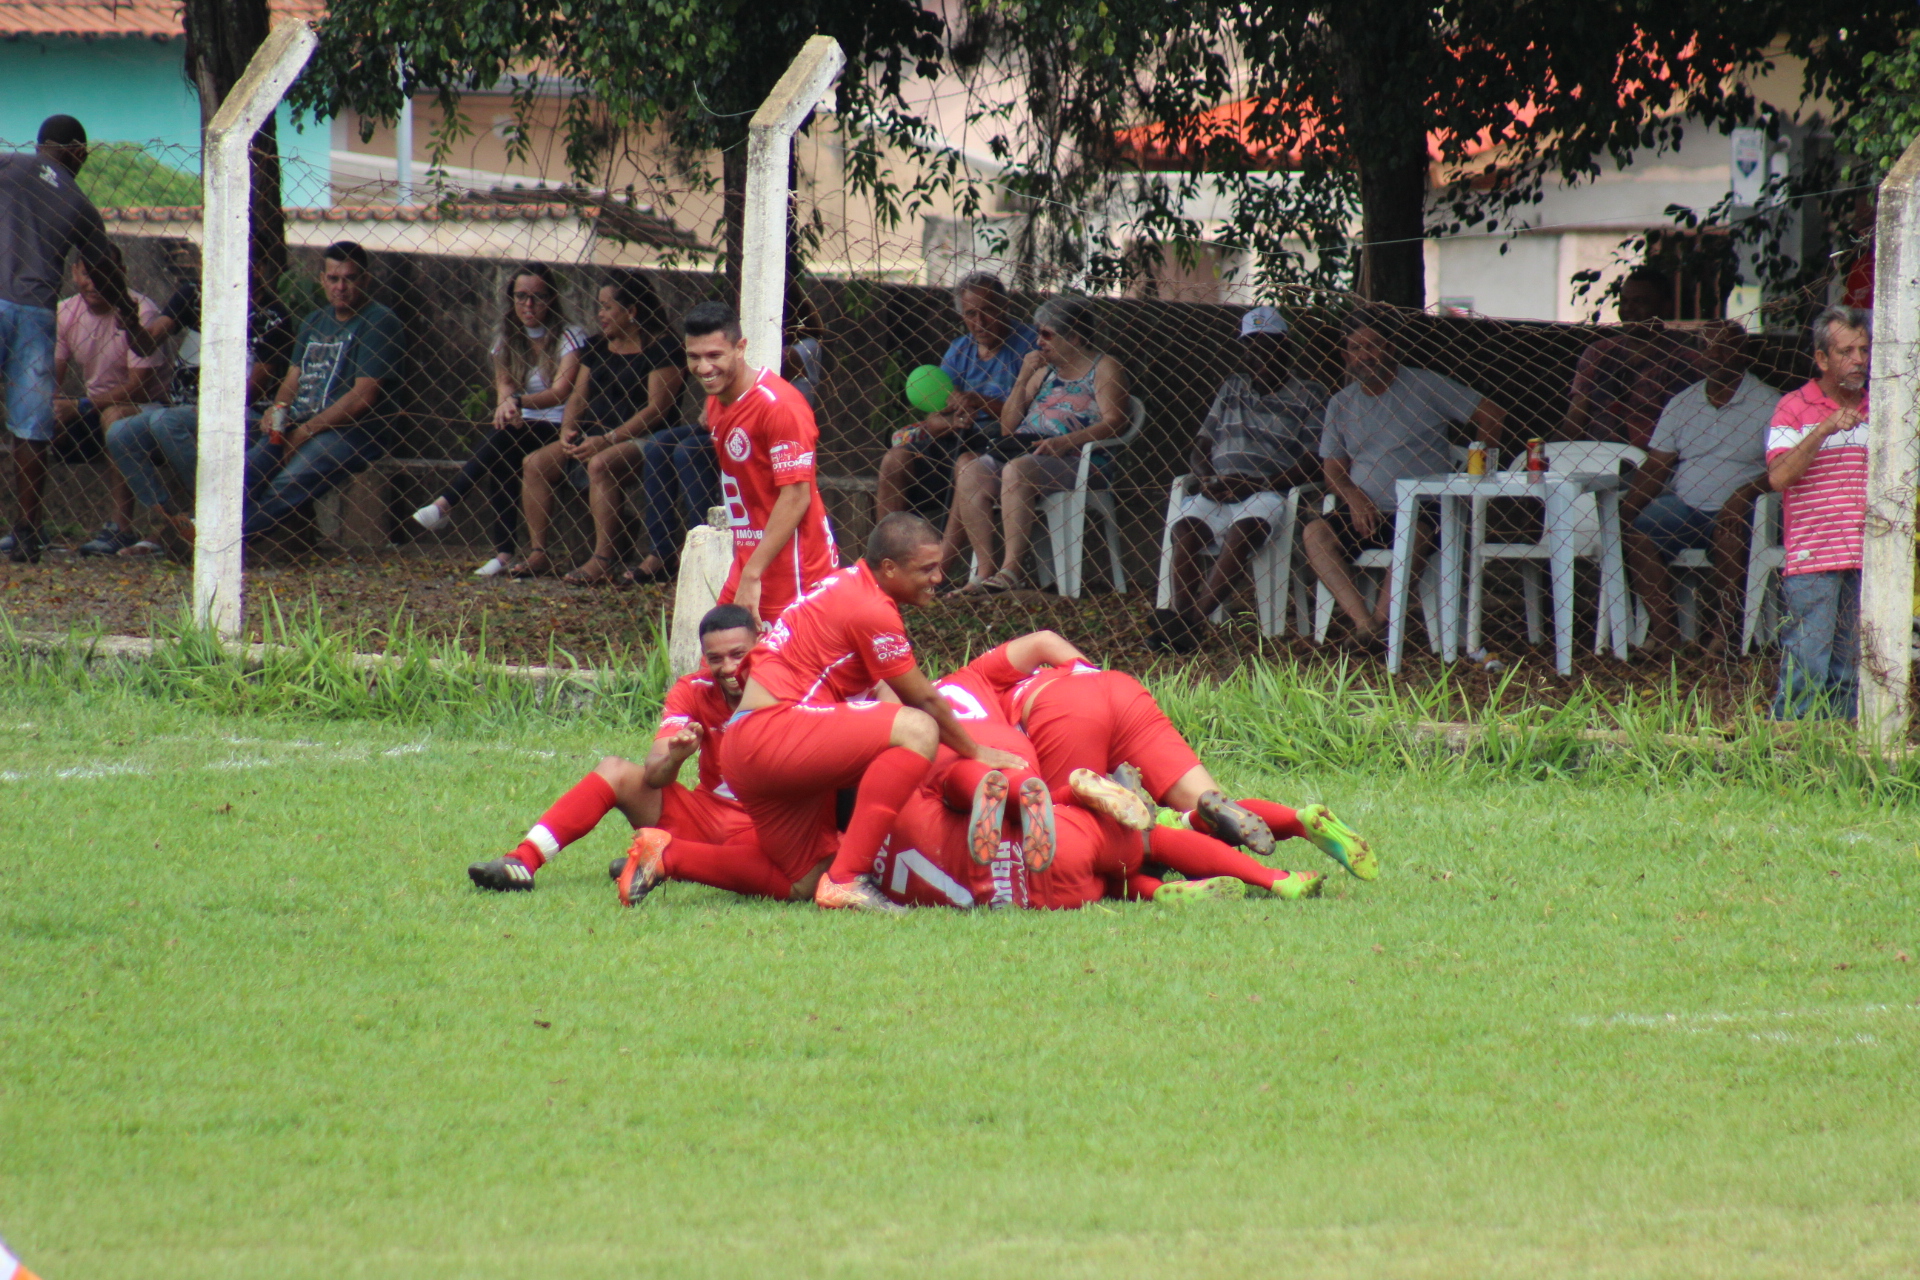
628	386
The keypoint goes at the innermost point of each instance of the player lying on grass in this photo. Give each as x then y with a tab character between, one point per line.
803	730
1079	717
710	822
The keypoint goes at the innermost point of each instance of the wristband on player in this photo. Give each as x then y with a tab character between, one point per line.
85	405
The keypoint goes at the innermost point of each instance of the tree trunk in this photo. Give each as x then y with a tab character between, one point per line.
1386	59
1393	265
222	36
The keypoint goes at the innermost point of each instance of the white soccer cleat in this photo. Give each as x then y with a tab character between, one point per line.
430	516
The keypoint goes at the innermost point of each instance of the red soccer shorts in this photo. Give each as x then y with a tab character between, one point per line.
702	816
1100	721
786	762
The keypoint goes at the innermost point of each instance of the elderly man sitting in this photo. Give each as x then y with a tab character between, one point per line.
1390	424
1706	463
1256	442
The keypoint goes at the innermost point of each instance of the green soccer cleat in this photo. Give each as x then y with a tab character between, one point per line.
1180	893
1339	841
1295	885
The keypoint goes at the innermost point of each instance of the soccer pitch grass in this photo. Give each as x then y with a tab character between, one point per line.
254	1022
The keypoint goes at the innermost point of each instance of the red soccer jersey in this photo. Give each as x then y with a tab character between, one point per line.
1014	700
765	439
840	639
977	692
696	699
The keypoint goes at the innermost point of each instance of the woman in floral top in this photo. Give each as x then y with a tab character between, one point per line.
1068	393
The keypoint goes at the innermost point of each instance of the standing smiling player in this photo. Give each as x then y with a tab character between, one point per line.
765	439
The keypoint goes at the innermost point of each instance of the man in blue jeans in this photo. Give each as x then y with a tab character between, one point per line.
329	419
44	217
173	429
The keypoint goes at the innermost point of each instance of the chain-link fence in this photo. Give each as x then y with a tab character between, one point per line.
488	430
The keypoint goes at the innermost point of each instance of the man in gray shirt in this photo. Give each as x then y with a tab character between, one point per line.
1389	424
1706	463
44	217
1256	442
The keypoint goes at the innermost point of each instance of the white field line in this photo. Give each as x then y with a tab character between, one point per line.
1712	1020
95	770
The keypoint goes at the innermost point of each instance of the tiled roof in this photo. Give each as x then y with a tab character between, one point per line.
152	19
638	225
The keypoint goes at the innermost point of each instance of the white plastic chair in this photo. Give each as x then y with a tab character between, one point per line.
1766	557
1563	458
1366	566
1059	535
1272	565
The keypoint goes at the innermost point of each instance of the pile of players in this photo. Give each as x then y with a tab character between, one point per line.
1028	777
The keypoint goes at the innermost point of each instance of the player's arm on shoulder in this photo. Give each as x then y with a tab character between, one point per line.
1041	649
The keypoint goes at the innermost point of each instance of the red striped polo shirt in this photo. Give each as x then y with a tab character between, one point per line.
1825	510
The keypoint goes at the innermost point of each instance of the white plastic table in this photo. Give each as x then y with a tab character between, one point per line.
1557	492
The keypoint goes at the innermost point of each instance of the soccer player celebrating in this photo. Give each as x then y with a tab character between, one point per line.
800	734
714	837
765	438
1102	735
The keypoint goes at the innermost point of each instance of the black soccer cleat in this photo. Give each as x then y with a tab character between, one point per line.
502	875
1228	823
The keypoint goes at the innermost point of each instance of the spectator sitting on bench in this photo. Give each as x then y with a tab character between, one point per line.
1069	392
1389	424
628	387
173	429
329	419
918	471
1257	441
535	360
1706	463
118	382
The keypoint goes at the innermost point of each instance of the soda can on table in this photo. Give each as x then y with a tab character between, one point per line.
1477	458
1536	455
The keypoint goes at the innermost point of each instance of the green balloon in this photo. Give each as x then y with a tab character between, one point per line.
928	388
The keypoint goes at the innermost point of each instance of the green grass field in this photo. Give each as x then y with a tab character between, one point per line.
254	1022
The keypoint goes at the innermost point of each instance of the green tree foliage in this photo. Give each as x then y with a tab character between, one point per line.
1886	119
695	71
1342	104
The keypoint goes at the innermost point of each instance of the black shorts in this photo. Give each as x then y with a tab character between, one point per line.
1340	520
930	478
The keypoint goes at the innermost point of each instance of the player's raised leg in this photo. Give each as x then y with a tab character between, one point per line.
570	817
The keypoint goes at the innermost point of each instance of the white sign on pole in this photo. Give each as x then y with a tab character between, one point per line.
1749	165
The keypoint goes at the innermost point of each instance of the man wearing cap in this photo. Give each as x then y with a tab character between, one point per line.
1257	441
44	217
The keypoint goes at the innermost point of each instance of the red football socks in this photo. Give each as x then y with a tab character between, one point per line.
1282	821
1199	857
572	816
889	780
737	868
